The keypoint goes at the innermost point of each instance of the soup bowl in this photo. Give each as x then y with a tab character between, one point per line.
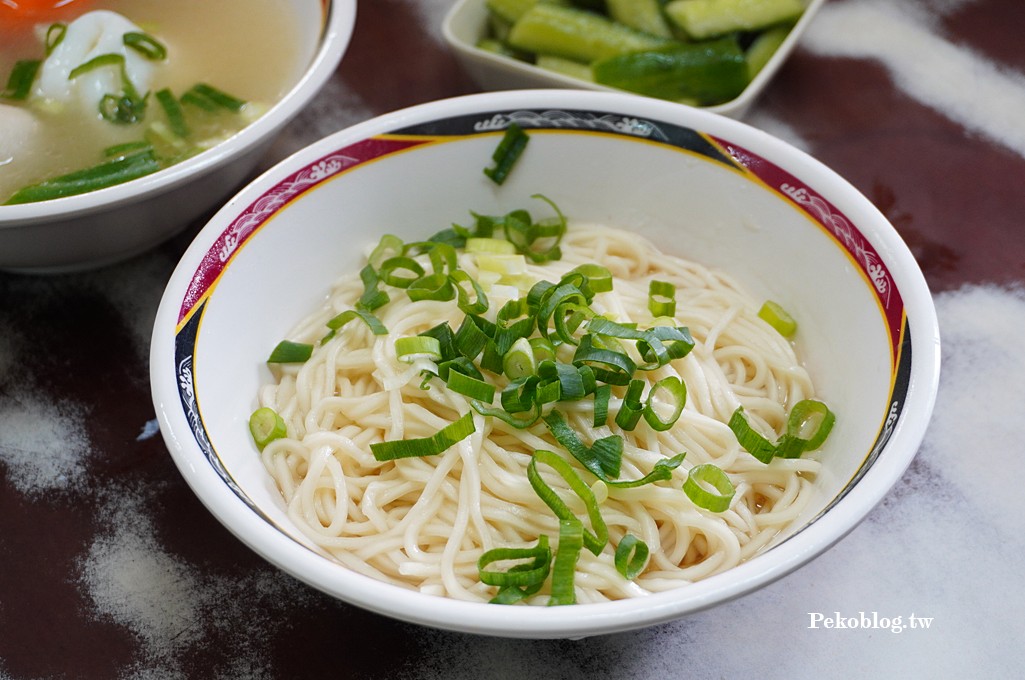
111	224
700	185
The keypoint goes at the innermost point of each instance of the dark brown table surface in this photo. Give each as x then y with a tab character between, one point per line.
111	568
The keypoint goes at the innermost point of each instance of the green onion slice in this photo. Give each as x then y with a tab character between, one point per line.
508	151
266	425
106	174
750	440
614	368
210	98
572	538
631	556
288	352
389	246
413	348
479	303
602	395
661	298
437	443
372	296
390	268
432	287
630	408
19	82
99	61
127	149
55	36
527	573
777	317
372	322
603	461
599	278
519	361
808	425
671	391
714	501
173	111
469	386
145	44
593	539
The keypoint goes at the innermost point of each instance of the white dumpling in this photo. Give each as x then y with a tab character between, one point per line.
18	132
90	35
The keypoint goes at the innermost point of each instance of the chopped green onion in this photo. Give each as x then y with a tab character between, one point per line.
520	422
602	394
99	61
525	574
446	340
389	267
288	352
389	246
127	149
55	36
372	297
489	246
122	109
714	501
480	301
631	556
614	368
519	362
438	287
412	348
675	392
437	443
470	339
630	409
210	98
266	425
661	298
572	539
594	539
508	151
372	322
19	82
145	44
97	177
469	386
173	111
750	440
808	425
599	278
777	317
603	462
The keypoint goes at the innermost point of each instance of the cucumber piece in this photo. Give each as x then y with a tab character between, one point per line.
511	10
577	34
760	51
708	72
567	67
644	15
702	19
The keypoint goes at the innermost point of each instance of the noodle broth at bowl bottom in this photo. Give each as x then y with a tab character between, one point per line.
714	192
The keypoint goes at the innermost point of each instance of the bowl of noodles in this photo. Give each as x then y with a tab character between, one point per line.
472	359
123	122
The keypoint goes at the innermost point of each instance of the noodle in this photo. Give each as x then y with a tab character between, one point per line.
422	523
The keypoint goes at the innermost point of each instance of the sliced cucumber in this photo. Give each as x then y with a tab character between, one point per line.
577	34
708	72
702	19
760	51
644	15
567	67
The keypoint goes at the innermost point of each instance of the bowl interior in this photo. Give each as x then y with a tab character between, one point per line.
786	228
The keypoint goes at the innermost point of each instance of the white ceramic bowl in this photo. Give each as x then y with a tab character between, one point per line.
101	227
466	23
703	186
